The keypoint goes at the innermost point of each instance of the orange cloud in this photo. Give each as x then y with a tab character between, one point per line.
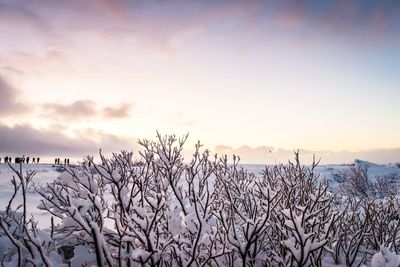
122	111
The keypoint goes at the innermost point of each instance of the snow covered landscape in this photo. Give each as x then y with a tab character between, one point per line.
296	104
162	209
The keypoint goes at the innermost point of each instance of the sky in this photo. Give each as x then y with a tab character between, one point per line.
255	78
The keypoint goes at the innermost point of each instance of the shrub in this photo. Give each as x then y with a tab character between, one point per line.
159	210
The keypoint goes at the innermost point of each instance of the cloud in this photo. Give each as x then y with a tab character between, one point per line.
168	17
9	104
271	155
373	155
186	124
27	140
247	154
78	109
13	71
18	14
24	140
120	112
12	106
349	19
158	24
84	109
33	64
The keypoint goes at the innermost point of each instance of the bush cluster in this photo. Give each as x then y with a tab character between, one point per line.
157	210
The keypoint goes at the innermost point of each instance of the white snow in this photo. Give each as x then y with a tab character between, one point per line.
46	173
385	258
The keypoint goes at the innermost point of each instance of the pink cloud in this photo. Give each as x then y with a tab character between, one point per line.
289	19
156	22
9	103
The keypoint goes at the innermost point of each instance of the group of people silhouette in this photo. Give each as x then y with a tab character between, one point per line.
28	160
22	159
57	161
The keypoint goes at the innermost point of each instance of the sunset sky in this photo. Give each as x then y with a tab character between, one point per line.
258	78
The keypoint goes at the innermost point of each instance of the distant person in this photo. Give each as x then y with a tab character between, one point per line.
6	159
33	160
55	161
67	161
10	159
27	160
38	159
58	161
90	164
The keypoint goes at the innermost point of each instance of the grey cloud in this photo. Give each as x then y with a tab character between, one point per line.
77	109
24	139
17	13
84	109
9	104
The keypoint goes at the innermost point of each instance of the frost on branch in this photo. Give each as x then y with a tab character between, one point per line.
159	209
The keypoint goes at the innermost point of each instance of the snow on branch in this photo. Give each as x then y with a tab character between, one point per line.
158	209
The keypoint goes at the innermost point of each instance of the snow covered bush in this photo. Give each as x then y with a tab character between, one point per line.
157	209
302	218
27	244
387	185
356	183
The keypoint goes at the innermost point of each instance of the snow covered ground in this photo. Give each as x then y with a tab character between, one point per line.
167	205
47	172
44	173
